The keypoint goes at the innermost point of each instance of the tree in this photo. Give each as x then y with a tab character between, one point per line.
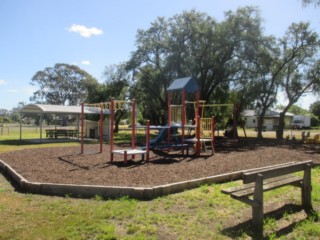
300	47
295	109
315	109
316	3
62	84
15	112
116	85
266	73
194	44
151	78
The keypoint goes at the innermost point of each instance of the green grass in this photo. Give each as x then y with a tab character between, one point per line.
202	213
10	139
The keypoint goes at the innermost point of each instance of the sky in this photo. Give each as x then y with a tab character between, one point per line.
93	34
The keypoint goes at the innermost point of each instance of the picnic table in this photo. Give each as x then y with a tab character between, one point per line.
56	133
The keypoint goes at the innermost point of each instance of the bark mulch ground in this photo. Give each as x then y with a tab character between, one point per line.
67	165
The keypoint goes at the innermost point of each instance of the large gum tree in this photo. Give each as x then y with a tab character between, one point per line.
62	84
218	54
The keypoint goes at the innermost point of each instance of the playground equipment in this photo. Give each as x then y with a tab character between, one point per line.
306	138
113	106
204	126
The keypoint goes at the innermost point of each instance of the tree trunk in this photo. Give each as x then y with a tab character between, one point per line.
281	126
117	118
260	126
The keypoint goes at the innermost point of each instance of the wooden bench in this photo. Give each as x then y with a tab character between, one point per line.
259	181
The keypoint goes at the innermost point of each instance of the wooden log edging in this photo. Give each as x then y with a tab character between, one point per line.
141	193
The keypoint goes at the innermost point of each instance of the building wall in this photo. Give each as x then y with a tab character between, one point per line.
269	123
251	121
92	129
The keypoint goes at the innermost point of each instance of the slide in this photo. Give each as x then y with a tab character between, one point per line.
162	136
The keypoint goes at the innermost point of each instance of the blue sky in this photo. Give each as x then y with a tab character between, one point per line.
93	34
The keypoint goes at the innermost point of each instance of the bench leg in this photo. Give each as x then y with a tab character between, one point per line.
257	207
125	157
306	189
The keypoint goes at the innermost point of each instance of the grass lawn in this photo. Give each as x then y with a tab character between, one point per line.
9	139
202	213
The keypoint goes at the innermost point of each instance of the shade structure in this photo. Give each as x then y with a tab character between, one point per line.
42	109
60	109
189	84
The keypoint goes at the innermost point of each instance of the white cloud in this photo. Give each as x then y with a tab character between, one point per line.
85	62
29	90
13	90
2	82
85	31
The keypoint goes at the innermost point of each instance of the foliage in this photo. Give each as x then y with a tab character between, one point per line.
194	44
314	121
315	109
4	120
233	61
299	47
316	3
267	75
62	84
297	110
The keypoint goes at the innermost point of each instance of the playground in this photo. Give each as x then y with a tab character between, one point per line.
190	152
182	150
66	165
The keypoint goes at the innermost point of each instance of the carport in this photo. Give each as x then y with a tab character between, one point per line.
43	109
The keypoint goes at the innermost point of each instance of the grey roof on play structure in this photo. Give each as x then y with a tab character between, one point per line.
188	83
60	109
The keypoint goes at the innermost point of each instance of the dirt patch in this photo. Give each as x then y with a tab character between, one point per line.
67	165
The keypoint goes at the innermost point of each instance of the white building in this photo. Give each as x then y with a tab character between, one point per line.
270	121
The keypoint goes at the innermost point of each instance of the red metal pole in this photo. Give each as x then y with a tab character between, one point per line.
183	118
82	126
133	125
197	105
212	134
101	127
148	140
198	136
169	117
111	129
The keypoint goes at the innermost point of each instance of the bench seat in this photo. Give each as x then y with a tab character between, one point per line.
126	152
261	180
270	184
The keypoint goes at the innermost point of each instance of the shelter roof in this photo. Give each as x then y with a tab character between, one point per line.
269	113
188	83
60	109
